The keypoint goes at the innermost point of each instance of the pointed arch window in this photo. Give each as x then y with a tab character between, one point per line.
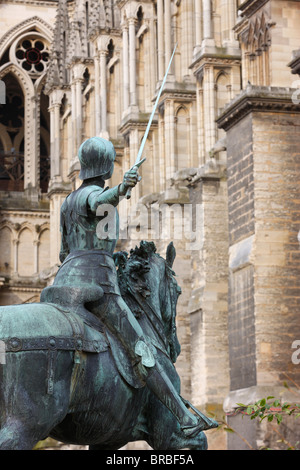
26	143
12	127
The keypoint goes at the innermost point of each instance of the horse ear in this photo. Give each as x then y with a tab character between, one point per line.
171	254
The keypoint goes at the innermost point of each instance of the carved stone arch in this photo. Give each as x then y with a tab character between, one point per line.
7	238
27	25
23	226
10	226
42	228
221	74
180	108
139	6
22	77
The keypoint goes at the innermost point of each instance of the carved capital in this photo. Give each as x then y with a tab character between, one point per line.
78	71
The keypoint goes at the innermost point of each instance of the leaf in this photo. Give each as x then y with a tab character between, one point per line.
249	410
270	397
262	402
270	418
228	430
278	417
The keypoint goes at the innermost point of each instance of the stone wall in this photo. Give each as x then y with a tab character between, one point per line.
264	251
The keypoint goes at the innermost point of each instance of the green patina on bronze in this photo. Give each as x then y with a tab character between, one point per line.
93	362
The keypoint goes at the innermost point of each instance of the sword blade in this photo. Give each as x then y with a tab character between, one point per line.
140	152
139	155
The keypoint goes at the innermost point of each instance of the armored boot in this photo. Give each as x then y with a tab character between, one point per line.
191	424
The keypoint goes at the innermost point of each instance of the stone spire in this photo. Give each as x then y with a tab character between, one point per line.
56	76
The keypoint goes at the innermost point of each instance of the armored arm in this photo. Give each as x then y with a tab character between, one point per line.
113	195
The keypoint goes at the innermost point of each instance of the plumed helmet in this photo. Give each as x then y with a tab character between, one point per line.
96	156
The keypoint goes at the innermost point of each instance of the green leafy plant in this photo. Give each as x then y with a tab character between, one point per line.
264	409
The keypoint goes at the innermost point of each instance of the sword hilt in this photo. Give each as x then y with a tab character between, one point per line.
128	192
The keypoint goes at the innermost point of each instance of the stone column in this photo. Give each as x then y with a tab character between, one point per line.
35	137
160	38
78	95
210	109
103	93
208	38
228	19
15	247
97	96
76	85
36	256
168	47
132	62
198	25
125	68
54	108
73	120
169	138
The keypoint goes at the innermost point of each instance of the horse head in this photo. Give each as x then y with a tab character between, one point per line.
148	276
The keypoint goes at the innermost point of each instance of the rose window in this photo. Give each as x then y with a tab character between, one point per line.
33	55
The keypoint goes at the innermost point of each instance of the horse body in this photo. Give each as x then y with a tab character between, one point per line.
62	378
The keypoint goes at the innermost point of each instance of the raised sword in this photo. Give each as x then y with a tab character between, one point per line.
138	160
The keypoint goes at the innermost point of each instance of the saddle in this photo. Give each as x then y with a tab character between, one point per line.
71	301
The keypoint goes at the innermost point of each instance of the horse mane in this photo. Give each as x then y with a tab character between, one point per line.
132	269
132	278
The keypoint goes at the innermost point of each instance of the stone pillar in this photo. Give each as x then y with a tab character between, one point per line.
198	25
125	68
208	308
228	19
207	23
210	108
103	93
160	38
73	120
36	256
208	38
15	248
54	108
132	62
168	46
97	96
187	19
169	138
78	97
35	138
78	71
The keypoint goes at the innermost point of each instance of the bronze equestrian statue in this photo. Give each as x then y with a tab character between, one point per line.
93	362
